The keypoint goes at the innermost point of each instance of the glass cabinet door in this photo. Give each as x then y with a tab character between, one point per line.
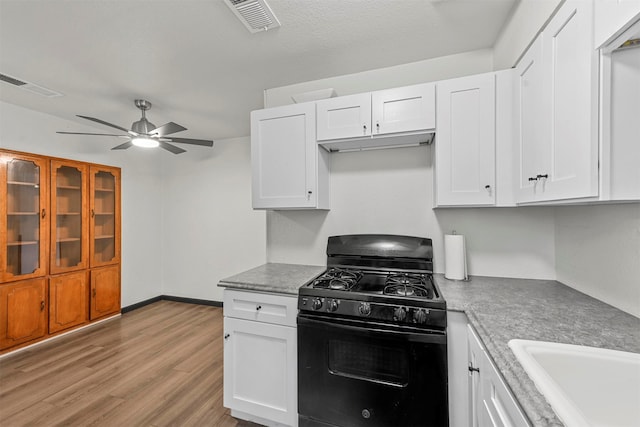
24	216
69	234
104	216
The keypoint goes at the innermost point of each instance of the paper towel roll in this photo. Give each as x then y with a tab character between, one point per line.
455	257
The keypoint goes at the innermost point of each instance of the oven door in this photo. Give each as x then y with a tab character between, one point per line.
354	373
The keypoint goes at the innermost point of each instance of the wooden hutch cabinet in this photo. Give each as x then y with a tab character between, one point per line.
104	243
60	240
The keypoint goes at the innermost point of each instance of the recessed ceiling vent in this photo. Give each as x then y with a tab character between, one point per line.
33	88
256	15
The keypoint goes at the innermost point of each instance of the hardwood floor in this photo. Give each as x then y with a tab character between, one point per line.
160	365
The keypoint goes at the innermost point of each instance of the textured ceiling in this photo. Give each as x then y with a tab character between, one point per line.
199	65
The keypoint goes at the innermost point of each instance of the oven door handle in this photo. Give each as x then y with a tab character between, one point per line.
424	337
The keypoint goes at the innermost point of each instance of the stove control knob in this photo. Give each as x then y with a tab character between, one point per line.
400	313
333	305
420	316
316	304
364	308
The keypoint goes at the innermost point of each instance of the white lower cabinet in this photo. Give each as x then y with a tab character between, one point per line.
260	360
478	397
492	402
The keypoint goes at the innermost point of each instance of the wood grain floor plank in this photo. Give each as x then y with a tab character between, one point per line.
160	365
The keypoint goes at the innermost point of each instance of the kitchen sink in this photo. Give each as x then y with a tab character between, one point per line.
585	386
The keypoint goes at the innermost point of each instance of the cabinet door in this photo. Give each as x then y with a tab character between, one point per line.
68	301
69	220
405	109
104	216
24	216
22	312
532	122
284	157
571	69
105	291
466	142
476	354
344	117
260	370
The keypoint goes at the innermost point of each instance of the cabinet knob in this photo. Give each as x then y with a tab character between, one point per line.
364	128
258	307
378	127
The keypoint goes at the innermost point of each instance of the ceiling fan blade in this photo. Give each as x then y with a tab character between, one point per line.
93	119
172	148
167	129
97	134
123	146
203	142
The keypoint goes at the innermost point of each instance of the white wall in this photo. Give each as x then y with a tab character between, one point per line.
528	18
391	191
598	252
209	230
30	131
445	67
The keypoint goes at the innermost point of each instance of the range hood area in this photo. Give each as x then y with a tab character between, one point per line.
379	142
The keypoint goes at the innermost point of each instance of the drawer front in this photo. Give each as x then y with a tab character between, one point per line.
269	308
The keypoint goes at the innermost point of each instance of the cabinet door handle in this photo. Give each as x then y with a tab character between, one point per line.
258	307
93	292
44	213
226	336
309	193
472	369
364	129
545	176
532	178
41	305
378	127
93	213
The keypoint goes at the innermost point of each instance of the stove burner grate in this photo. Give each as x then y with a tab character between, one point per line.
406	285
338	279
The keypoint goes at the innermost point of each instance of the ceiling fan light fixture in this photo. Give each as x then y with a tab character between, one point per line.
145	142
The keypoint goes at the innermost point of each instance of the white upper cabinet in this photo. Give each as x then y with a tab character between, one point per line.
289	171
531	121
612	17
384	118
557	98
465	146
620	144
404	109
344	117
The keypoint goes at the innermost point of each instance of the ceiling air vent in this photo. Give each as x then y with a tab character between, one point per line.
33	88
256	15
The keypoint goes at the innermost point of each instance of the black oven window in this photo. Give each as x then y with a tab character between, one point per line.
370	362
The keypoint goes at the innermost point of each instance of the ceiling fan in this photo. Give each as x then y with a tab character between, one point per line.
143	133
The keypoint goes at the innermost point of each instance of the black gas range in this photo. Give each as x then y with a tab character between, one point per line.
372	336
401	297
